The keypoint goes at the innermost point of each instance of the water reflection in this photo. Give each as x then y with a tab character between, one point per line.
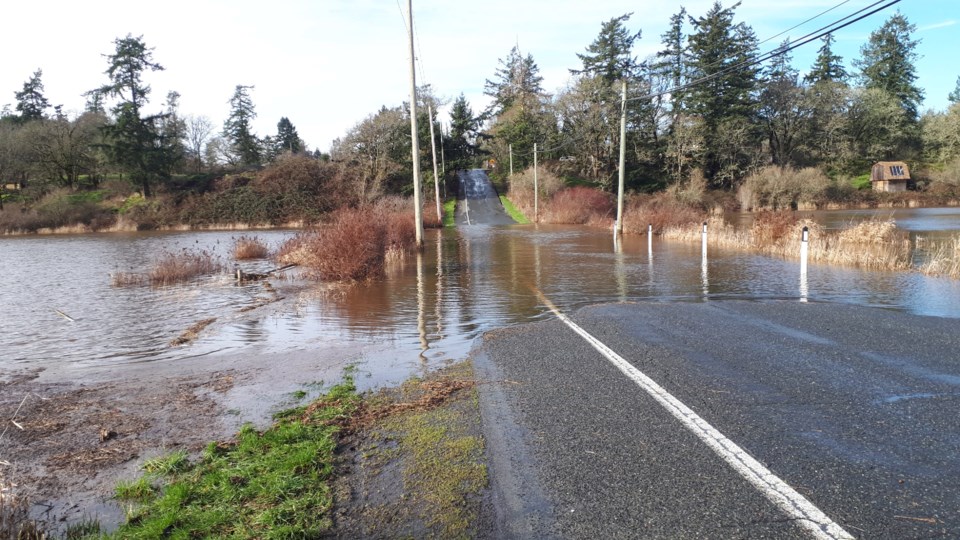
429	309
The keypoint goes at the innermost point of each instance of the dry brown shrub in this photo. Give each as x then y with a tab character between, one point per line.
249	247
430	218
577	206
353	246
773	228
777	188
173	268
662	211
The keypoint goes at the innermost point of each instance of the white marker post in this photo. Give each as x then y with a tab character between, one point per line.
704	235
704	269
650	241
804	254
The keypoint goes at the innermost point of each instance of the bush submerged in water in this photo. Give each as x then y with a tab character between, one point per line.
354	244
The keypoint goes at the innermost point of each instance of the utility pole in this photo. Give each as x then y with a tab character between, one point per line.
443	163
536	188
623	154
433	148
511	161
414	146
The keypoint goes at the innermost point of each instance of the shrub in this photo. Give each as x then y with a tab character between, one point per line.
775	188
579	205
249	247
661	210
352	247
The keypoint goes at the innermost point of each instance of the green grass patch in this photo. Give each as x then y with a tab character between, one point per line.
862	182
449	213
269	484
86	197
512	211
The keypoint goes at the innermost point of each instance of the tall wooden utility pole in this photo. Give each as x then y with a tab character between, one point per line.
623	154
433	148
414	146
536	188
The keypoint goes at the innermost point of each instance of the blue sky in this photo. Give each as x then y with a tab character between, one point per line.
326	64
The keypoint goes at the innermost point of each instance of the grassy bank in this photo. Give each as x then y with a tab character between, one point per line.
269	484
400	462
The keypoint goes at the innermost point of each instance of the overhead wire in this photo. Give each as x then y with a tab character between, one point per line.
817	34
779	51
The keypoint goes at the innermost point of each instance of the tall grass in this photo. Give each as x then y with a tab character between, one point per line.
875	244
249	247
944	260
172	268
15	522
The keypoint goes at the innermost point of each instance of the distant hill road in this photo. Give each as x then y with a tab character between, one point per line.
478	203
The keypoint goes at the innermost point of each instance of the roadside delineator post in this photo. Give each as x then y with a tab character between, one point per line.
704	235
804	254
650	241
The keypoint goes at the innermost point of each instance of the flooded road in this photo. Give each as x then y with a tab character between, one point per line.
429	309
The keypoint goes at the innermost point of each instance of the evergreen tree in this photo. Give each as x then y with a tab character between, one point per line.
517	81
610	56
287	139
237	129
721	54
954	95
518	112
135	142
31	102
888	63
463	132
828	67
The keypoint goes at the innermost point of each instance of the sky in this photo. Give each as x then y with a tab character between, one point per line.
328	64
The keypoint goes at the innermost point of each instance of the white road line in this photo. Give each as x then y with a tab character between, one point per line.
811	518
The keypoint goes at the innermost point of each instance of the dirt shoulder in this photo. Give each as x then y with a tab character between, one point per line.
411	464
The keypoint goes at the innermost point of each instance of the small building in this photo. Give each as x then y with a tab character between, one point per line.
890	176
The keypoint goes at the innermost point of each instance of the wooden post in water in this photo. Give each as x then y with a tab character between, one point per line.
414	143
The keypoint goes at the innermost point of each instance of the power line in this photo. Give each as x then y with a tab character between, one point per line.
817	16
823	31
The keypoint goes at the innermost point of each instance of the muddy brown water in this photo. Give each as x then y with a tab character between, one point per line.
427	311
95	346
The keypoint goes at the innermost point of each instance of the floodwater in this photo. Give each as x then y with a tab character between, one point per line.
427	311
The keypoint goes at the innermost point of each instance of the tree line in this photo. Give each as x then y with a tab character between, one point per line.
703	102
47	148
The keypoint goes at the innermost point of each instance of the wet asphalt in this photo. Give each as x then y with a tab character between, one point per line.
856	408
477	202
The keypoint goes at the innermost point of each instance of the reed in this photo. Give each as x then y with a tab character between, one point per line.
874	244
174	268
127	279
249	247
943	260
15	519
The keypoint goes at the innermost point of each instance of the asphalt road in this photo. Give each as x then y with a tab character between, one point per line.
478	203
855	408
